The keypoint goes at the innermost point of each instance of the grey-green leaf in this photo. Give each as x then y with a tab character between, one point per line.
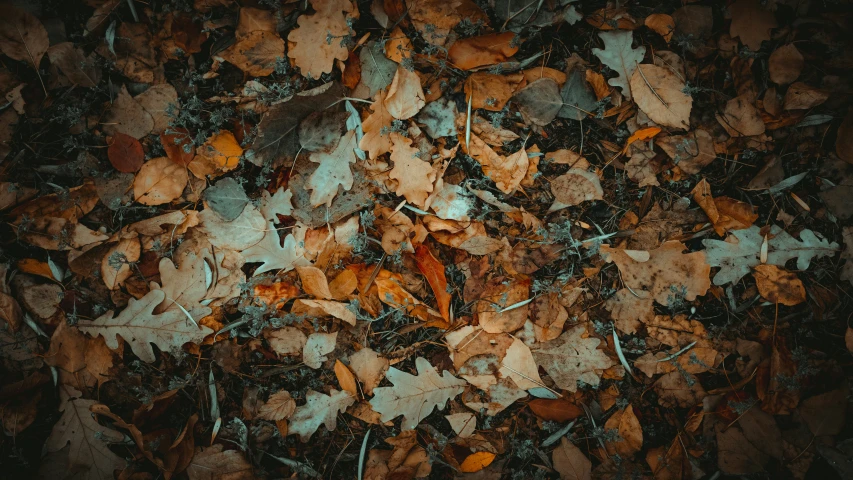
226	198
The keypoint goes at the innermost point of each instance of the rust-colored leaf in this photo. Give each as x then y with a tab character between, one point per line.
433	270
125	153
555	410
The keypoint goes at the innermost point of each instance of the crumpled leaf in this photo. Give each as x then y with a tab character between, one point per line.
742	249
620	57
415	397
140	327
319	410
572	357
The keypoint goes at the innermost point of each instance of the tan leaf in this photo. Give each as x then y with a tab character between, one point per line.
343	285
659	93
690	152
318	37
575	187
740	118
570	462
778	285
501	294
159	101
369	367
333	171
314	282
642	168
316	348
272	254
630	432
572	357
322	308
725	213
491	91
405	96
127	116
665	272
630	309
519	365
801	96
464	423
286	341
506	172
79	69
319	410
415	397
159	181
677	389
116	264
346	379
434	19
415	177
256	53
279	406
140	327
376	139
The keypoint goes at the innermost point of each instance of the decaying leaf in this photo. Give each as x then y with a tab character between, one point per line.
415	177
778	285
620	57
319	409
573	357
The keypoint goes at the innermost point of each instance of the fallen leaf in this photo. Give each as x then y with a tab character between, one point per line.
500	295
377	139
319	409
332	172
572	357
286	341
490	91
323	308
215	463
415	397
415	177
125	153
506	172
630	431
369	367
159	181
659	93
127	116
575	187
473	52
740	118
621	58
279	406
725	213
314	282
785	64
690	152
79	69
801	96
316	348
140	327
257	53
476	462
570	462
662	24
219	154
433	271
22	36
555	410
346	379
779	286
751	22
405	96
540	101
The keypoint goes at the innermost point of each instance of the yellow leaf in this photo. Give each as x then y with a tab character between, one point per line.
346	379
219	154
476	462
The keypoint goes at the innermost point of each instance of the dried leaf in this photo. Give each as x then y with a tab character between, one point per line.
316	348
751	22
571	357
555	410
415	397
575	187
346	379
779	286
214	463
279	406
620	57
22	36
219	154
127	116
333	171
570	462
319	410
476	462
125	153
159	181
785	64
740	118
433	271
659	93
405	96
415	177
473	52
369	367
662	24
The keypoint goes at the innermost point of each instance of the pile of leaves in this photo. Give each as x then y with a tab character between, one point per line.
398	239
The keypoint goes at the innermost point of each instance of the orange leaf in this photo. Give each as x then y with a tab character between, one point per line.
476	52
556	410
125	153
178	145
346	379
276	294
639	135
476	462
433	270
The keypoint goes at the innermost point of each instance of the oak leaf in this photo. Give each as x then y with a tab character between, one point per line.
319	410
572	357
89	451
139	326
333	171
415	397
620	57
318	37
376	139
506	172
369	367
415	177
272	254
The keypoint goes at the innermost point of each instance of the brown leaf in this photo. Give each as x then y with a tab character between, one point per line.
659	93
630	432
127	116
473	52
159	181
376	139
662	24
369	367
502	294
313	53
125	153
215	463
740	118
751	22
79	69
506	172
725	213
314	282
570	462
257	53
575	187
280	406
405	96
778	285
555	410
177	143
801	96
491	91
22	36
415	177
785	64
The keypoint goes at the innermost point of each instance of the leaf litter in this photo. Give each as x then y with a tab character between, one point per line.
515	240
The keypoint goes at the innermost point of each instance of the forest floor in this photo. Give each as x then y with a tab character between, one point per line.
399	239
